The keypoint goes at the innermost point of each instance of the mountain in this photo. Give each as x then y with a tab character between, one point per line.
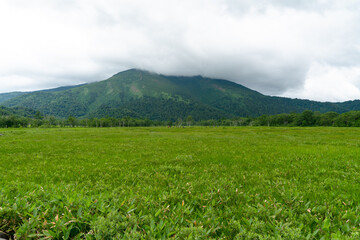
6	96
18	111
61	88
143	94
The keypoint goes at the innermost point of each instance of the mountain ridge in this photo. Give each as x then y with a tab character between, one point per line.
143	94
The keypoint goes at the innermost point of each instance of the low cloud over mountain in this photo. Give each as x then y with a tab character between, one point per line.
307	49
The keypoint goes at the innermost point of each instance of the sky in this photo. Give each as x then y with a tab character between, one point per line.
307	49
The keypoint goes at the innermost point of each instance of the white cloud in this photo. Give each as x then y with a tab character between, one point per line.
269	45
328	83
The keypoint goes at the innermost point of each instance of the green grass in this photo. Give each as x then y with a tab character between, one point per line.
192	183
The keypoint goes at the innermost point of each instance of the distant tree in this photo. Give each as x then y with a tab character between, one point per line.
327	119
262	121
72	121
306	118
38	115
147	122
179	122
52	121
282	119
189	120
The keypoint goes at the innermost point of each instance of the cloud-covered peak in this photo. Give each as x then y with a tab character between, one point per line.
276	47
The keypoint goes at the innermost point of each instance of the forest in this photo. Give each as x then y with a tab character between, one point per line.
305	119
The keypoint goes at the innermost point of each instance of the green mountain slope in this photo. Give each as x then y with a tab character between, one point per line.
137	93
6	96
17	111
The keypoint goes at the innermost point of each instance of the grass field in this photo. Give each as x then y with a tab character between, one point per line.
191	183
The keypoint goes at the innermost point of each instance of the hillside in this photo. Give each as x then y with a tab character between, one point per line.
142	94
18	111
6	96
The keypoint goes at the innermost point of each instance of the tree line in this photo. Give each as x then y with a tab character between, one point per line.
306	118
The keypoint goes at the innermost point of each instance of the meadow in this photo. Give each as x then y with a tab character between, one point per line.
180	183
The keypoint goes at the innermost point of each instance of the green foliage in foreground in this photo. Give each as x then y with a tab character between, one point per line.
192	183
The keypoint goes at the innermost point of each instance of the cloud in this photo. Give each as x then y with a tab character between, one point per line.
329	83
272	46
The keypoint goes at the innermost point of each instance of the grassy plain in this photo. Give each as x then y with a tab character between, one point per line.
191	183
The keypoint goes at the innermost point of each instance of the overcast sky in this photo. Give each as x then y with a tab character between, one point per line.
303	49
